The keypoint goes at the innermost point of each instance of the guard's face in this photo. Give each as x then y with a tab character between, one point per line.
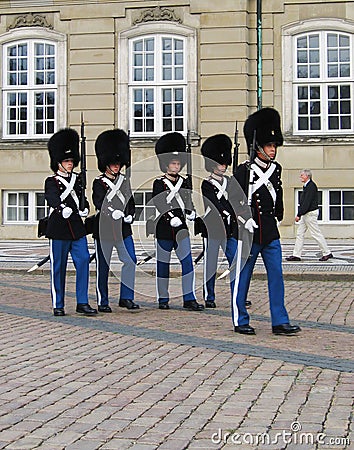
174	166
115	168
220	169
270	150
68	164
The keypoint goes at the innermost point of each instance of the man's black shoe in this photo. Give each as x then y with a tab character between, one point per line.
245	329
286	328
248	303
164	305
58	312
293	258
104	309
129	304
210	304
326	257
193	306
86	309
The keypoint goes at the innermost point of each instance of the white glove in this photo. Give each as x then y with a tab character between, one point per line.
66	212
227	217
251	225
84	213
128	219
117	214
175	222
191	216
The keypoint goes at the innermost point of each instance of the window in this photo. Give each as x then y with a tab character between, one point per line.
24	207
318	78
157	84
322	84
33	82
143	206
30	88
158	87
334	205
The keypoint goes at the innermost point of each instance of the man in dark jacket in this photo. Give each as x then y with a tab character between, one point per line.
261	181
65	229
173	201
307	217
115	212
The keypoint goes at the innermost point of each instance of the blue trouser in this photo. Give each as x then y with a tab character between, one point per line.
211	253
163	255
59	252
272	257
126	254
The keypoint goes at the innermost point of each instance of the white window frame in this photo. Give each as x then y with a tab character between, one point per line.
32	207
124	101
31	35
290	34
143	205
326	205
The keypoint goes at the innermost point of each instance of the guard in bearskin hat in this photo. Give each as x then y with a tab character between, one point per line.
260	178
173	200
220	219
65	229
115	212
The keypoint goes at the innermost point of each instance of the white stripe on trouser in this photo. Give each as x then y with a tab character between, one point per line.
205	243
236	284
98	292
309	221
52	287
156	278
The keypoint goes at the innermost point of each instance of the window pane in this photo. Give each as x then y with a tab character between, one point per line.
167	125
348	198
302	56
348	213
167	110
150	125
179	124
315	123
138	197
314	71
149	45
139	212
40	199
334	197
303	123
302	72
334	213
11	213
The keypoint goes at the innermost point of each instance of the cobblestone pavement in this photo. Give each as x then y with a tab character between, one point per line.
152	379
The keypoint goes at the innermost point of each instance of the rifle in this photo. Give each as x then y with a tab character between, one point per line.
236	147
83	165
189	162
250	170
127	167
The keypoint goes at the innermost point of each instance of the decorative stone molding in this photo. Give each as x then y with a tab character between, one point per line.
157	13
30	20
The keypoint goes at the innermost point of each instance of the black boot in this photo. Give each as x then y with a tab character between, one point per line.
86	309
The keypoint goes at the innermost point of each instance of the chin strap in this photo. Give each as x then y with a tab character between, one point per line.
110	172
264	154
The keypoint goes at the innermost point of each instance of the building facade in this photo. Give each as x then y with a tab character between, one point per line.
150	67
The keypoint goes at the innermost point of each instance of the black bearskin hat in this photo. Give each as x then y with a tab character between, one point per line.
112	146
171	146
64	144
216	150
266	122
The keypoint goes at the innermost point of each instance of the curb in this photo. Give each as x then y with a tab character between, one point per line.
257	275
